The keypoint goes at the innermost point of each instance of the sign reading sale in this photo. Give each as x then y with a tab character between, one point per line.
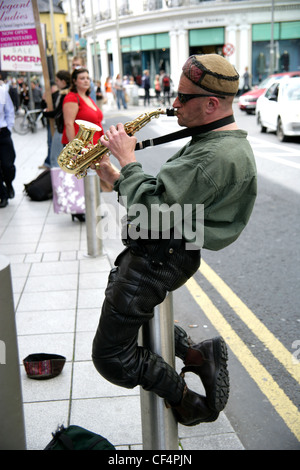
19	49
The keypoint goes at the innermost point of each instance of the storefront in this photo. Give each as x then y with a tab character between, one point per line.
149	51
206	41
286	49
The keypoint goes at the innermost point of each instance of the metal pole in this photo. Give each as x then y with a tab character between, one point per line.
53	36
272	62
12	429
118	39
159	427
96	71
92	216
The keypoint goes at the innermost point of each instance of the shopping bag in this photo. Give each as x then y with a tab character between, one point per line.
68	193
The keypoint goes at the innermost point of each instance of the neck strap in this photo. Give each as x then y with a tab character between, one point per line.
188	132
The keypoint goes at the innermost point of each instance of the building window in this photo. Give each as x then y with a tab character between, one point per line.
286	49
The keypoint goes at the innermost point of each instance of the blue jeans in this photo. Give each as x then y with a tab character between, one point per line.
121	98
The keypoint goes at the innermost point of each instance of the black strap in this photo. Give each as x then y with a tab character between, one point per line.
188	132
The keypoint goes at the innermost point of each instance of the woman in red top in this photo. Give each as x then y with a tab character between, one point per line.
78	105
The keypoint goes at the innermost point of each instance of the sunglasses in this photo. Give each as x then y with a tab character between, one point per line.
184	97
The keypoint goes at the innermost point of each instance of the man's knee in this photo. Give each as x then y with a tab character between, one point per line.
113	370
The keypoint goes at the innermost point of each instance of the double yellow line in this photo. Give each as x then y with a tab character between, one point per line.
280	401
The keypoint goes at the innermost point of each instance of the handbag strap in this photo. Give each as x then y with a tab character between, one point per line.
188	132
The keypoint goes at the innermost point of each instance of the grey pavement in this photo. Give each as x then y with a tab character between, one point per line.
58	291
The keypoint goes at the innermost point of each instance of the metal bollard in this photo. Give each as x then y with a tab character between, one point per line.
92	217
159	427
12	429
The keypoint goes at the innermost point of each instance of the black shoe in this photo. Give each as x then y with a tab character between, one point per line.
193	409
209	360
10	191
3	202
80	217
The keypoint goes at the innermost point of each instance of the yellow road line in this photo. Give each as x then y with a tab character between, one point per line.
252	322
280	401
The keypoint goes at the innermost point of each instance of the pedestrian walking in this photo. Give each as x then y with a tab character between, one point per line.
7	151
119	92
146	86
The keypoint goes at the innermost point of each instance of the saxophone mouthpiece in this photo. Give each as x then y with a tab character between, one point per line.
171	112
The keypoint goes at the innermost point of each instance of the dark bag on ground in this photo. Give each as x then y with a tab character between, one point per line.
77	438
40	189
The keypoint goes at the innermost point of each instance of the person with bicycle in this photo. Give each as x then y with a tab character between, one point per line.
38	99
7	151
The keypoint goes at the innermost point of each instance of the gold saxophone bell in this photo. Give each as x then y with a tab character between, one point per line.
77	156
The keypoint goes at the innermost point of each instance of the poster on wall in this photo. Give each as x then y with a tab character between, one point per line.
19	48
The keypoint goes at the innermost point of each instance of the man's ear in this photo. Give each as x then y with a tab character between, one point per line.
212	104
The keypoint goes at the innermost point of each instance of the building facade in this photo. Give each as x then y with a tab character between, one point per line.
55	27
128	36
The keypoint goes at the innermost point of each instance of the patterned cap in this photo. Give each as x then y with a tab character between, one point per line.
43	366
213	73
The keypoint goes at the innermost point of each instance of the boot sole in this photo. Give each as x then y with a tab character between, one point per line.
219	397
213	417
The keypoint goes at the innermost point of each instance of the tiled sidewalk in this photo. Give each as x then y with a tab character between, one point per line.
58	292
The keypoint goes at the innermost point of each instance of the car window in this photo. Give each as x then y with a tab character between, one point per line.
293	93
272	92
290	90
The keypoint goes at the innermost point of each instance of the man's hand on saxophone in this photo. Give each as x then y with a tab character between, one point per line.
106	170
120	144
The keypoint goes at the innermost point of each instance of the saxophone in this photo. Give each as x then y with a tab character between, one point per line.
77	156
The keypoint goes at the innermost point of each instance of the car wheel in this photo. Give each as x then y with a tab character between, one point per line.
263	129
279	131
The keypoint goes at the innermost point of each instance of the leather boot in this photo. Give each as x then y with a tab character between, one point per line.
3	202
193	409
209	360
10	191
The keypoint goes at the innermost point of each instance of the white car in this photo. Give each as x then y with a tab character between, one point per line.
278	109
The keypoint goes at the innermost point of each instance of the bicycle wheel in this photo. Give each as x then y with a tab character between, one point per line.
21	125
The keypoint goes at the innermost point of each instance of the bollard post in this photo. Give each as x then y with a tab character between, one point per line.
12	428
159	427
92	216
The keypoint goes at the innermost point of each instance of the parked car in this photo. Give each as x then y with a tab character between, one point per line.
278	109
247	101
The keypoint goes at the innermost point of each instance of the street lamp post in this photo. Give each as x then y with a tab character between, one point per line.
118	39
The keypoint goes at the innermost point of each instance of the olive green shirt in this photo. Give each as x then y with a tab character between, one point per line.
216	169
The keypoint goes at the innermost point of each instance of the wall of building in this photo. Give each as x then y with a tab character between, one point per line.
186	19
61	38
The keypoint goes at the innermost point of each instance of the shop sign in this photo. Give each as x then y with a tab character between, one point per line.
18	38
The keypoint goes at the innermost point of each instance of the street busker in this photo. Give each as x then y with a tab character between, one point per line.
216	170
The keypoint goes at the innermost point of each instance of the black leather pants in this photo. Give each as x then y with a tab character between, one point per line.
144	274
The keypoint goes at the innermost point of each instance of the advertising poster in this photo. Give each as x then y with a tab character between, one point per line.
19	49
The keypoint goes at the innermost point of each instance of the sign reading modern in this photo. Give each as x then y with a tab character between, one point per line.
19	49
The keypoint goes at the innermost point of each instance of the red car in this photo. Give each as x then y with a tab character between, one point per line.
247	101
